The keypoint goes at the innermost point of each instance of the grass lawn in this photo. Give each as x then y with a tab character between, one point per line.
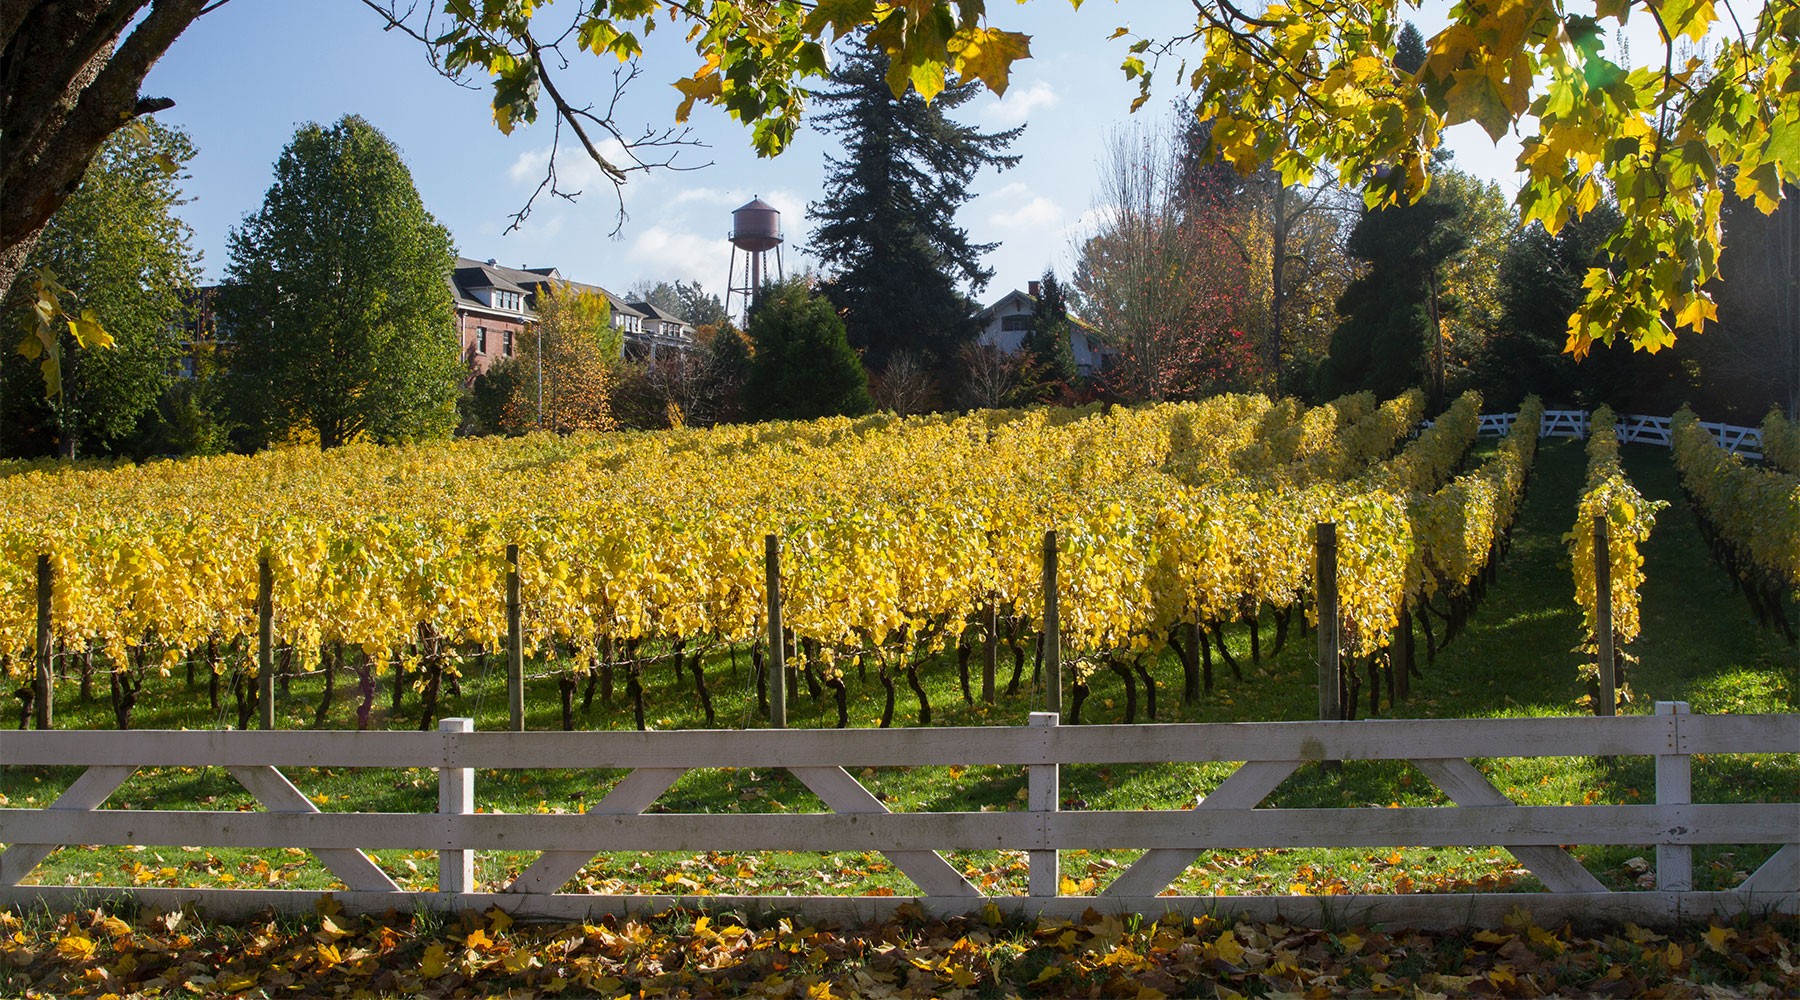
1515	657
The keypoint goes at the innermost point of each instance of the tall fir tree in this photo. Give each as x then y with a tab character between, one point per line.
886	228
1053	360
336	298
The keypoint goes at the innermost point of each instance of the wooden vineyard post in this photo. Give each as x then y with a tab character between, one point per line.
1674	787
45	688
1603	616
1325	586
1052	630
1044	792
265	643
990	650
456	797
515	645
777	641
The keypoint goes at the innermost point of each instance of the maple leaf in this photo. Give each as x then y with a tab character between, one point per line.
1229	949
435	962
76	947
1715	938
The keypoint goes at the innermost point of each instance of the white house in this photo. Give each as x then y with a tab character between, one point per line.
1005	324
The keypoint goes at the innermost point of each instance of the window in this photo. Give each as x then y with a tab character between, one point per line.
1017	323
506	342
481	340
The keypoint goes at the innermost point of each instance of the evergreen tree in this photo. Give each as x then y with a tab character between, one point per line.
1409	49
1053	360
117	239
1392	315
801	365
887	226
336	298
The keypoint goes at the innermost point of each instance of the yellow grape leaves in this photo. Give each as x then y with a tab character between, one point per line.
895	531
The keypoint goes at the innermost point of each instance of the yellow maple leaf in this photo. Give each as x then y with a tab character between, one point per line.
987	54
434	962
1228	948
1716	937
75	947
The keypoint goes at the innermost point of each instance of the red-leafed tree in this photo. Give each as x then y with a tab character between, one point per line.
1171	295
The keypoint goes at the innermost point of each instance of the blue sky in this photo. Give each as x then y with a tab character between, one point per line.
246	75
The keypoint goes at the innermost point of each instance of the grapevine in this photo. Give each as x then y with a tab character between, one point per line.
1781	442
898	534
1750	518
1629	517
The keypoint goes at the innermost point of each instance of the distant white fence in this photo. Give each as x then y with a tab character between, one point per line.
1230	817
1632	428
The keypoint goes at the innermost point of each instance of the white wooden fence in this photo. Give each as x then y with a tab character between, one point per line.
1632	428
1228	818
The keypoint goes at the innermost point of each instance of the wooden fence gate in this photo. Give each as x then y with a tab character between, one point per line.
1230	817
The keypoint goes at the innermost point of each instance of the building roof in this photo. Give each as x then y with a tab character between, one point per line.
470	275
650	311
1028	301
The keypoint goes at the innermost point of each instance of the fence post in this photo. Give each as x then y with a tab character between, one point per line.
265	643
1674	787
45	685
777	639
990	650
1052	630
515	645
1603	617
456	797
1044	795
1326	591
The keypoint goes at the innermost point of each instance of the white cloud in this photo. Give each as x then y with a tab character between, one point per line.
575	170
1015	189
708	196
1090	223
661	254
1019	103
1038	213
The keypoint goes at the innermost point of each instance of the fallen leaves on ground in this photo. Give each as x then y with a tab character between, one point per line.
119	955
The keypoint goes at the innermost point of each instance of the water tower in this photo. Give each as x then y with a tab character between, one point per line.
756	230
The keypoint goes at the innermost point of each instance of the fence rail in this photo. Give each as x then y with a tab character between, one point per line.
1230	817
1633	428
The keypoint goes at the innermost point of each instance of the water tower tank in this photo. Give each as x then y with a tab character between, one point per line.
756	227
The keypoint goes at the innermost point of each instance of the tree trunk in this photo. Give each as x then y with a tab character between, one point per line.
69	82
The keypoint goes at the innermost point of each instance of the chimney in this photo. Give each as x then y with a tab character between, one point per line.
1036	289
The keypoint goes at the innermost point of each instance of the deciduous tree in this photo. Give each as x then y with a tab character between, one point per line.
336	298
1168	294
117	238
560	375
1300	87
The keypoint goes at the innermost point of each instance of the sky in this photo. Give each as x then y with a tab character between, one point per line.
246	75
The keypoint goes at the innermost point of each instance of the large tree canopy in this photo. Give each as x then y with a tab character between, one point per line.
886	228
335	299
119	241
1303	85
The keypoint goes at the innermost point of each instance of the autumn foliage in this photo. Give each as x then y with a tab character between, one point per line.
563	366
101	953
